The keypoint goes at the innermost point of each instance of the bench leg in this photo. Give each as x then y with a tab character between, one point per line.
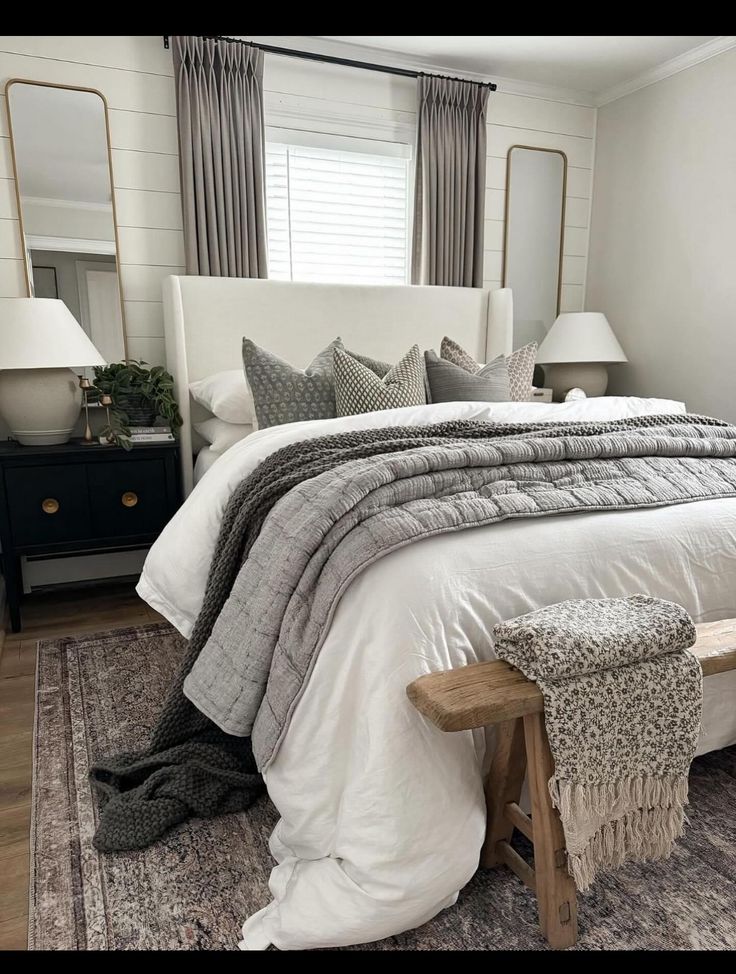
556	893
505	781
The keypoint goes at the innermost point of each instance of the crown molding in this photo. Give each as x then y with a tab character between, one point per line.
530	89
68	204
360	52
682	62
73	245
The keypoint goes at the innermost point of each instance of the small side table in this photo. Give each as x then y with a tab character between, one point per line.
76	499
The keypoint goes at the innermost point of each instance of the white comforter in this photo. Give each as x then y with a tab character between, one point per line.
382	815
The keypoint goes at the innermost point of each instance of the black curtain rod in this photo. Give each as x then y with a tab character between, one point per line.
329	59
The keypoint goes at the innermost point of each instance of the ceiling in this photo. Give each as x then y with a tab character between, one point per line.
60	143
584	62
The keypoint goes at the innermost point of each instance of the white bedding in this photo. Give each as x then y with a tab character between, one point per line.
205	459
382	815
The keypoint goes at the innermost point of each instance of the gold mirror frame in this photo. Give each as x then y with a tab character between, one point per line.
535	148
92	91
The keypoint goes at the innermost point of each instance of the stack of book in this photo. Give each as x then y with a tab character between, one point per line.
150	434
147	434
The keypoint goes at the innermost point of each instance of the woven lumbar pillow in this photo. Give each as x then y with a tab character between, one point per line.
285	394
520	366
359	389
452	383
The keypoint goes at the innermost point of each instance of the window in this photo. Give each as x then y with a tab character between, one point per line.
338	208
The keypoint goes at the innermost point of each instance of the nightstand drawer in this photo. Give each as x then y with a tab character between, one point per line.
127	497
48	505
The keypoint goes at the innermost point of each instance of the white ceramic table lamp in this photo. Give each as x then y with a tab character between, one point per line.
40	342
576	351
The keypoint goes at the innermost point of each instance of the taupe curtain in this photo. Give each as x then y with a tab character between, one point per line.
450	185
219	99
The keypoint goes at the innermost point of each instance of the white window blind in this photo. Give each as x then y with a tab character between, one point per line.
338	209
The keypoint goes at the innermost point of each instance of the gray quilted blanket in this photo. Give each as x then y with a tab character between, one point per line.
326	529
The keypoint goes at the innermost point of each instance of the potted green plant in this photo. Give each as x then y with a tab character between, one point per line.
139	394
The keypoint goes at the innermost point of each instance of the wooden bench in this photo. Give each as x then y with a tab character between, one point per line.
496	693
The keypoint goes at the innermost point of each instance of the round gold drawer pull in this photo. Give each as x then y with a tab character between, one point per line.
50	505
129	498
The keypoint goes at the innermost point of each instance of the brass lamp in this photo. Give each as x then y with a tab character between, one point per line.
85	385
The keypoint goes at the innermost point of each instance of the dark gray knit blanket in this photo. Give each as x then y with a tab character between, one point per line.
192	766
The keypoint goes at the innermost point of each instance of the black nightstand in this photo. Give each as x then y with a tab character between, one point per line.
77	499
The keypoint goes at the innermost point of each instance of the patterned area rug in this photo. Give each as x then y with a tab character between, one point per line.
100	694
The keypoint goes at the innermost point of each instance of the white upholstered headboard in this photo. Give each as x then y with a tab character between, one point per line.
207	317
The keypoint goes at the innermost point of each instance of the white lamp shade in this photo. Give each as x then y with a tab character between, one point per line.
42	333
583	336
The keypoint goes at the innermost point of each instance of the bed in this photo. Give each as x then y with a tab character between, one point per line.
382	816
206	318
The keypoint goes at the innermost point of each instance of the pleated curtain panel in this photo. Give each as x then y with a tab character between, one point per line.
219	92
450	183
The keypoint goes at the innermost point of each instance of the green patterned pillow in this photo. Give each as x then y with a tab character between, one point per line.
284	394
359	389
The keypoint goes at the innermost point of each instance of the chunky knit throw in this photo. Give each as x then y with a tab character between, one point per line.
622	706
191	766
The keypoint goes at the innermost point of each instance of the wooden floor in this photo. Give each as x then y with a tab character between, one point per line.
45	615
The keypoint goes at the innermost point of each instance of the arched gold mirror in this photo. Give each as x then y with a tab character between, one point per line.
63	176
536	181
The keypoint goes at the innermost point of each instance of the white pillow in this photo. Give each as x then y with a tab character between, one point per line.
226	395
221	435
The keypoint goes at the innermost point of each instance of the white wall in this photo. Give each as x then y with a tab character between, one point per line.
663	239
135	74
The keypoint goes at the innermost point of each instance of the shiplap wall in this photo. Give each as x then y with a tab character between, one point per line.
520	120
135	75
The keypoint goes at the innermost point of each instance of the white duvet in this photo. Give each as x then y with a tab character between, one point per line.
382	815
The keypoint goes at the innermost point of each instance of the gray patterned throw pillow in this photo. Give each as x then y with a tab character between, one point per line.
359	389
453	383
380	368
520	366
284	394
452	352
